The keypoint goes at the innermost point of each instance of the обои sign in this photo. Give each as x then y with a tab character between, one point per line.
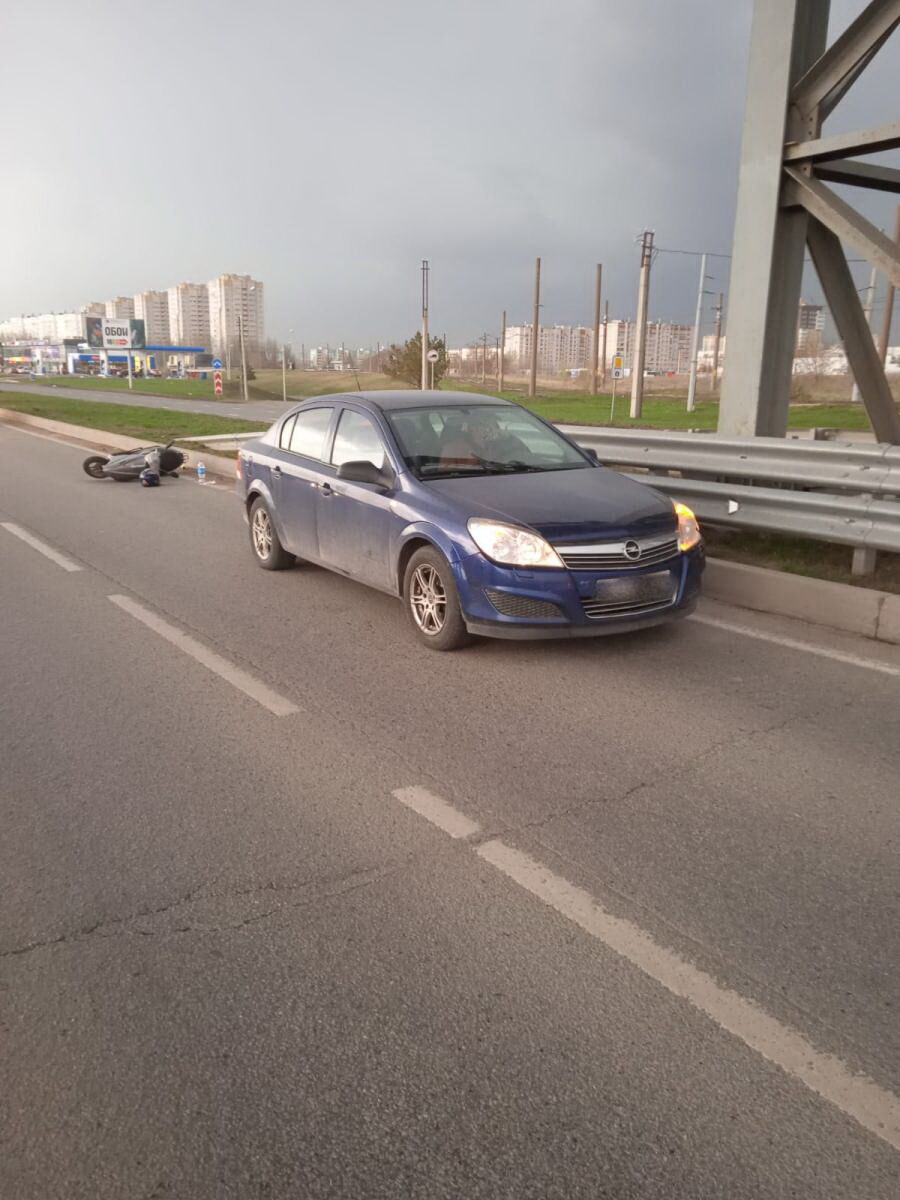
115	333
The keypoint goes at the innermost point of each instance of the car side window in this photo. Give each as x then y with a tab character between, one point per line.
287	428
357	440
310	431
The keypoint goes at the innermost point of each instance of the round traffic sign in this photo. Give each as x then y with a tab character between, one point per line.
432	356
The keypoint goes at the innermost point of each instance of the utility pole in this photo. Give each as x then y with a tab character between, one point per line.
244	391
855	396
535	329
484	342
595	348
424	379
889	303
501	354
640	333
717	343
695	343
224	341
603	351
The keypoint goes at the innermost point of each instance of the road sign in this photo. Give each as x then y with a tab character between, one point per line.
432	356
618	366
617	373
217	364
217	382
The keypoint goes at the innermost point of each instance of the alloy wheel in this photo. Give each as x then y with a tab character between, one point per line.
262	533
428	599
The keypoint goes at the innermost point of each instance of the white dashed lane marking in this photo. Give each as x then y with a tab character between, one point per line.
437	811
214	662
859	1097
42	548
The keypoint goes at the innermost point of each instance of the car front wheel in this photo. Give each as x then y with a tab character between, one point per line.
269	552
432	602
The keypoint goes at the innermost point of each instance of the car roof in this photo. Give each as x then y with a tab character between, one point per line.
389	401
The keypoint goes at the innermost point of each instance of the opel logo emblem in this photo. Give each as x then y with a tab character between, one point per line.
632	551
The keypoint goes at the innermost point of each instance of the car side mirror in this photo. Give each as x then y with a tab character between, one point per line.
363	471
593	456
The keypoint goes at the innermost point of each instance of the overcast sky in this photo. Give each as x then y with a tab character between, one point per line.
327	147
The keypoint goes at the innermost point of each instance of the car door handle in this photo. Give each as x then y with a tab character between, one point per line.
276	471
326	489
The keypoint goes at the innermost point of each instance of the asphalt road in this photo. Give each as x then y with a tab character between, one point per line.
262	410
611	918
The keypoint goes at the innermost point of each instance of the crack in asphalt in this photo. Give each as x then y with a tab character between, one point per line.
340	885
670	774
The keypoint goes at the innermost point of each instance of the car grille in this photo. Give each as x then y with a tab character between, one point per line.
596	610
520	606
611	555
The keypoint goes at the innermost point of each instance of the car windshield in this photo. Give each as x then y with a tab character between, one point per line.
484	439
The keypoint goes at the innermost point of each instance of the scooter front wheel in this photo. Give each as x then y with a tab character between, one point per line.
94	465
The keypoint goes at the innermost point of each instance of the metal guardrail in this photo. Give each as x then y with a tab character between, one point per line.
844	493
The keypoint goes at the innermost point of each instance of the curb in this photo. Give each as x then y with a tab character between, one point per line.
863	611
101	439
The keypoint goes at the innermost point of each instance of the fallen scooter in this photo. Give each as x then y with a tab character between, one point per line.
147	464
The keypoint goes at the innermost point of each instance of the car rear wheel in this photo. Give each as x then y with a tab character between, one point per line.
431	599
269	552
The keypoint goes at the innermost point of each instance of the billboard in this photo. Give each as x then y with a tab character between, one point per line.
115	333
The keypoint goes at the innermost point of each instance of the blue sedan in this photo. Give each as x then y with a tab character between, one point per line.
480	516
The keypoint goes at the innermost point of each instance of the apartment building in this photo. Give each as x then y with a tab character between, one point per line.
569	347
122	308
153	309
42	327
560	347
189	315
668	346
235	301
810	328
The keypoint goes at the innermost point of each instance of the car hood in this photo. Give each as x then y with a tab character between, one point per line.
564	506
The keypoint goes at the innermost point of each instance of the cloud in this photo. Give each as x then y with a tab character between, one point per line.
329	148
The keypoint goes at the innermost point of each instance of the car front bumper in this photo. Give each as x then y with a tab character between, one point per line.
572	594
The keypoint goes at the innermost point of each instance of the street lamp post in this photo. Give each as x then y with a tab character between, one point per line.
244	391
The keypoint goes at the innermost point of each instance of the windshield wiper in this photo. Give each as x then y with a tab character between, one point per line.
508	468
453	472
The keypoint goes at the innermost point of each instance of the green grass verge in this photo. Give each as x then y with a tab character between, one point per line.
153	424
667	412
189	389
662	409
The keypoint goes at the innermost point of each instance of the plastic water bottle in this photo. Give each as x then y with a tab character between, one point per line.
201	472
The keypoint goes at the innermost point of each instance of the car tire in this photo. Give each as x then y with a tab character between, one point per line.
432	601
267	549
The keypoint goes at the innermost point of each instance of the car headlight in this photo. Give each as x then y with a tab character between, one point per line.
688	527
512	545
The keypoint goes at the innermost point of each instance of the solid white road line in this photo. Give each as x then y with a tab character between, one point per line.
437	811
793	644
41	547
208	658
872	1106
